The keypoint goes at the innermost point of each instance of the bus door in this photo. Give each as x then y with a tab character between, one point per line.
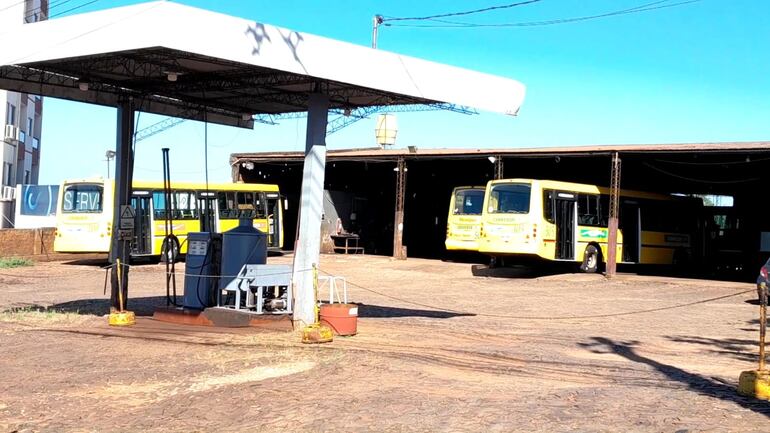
207	205
564	217
630	227
273	200
142	243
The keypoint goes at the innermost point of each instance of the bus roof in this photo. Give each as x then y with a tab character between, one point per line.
458	188
212	186
146	184
587	188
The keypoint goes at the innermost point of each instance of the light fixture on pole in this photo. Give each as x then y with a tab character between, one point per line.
110	155
386	130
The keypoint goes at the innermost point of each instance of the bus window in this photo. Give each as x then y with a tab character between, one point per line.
468	202
159	205
604	210
186	206
509	198
548	205
80	198
241	204
227	208
589	210
245	204
260	205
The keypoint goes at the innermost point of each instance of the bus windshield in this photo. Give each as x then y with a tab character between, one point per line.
509	198
468	202
82	198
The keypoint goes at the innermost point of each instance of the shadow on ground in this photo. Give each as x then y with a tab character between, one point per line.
382	312
702	385
521	271
142	306
736	348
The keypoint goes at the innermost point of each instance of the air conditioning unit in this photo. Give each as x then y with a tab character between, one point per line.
12	134
8	193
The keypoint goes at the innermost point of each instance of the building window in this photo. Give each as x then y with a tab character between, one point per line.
27	177
30	126
10	114
7	174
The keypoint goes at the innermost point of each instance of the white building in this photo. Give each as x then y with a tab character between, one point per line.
21	115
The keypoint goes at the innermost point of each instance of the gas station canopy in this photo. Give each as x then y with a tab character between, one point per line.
178	59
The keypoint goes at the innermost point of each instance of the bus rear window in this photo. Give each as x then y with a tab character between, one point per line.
468	202
509	198
82	199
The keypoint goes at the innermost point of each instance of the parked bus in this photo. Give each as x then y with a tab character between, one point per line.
568	222
85	214
464	221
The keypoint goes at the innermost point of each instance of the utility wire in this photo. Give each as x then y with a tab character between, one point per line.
73	8
661	4
550	318
454	14
12	5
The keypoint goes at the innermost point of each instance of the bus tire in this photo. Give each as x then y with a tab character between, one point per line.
591	259
167	254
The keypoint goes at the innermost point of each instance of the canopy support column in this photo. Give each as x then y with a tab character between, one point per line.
308	243
499	167
124	173
398	222
612	236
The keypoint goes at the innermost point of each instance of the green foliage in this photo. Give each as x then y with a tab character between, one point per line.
14	262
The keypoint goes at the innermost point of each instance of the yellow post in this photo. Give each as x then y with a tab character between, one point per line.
316	332
756	383
121	317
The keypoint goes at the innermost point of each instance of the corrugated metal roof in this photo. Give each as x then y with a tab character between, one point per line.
389	154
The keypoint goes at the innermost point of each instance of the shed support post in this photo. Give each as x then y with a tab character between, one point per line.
124	173
398	222
308	243
235	171
612	235
499	167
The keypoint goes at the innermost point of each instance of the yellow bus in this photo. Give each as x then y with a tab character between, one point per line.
85	214
568	222
464	221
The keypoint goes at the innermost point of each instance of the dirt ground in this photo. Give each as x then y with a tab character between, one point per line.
438	349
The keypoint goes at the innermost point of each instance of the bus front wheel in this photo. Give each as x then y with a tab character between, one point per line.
591	260
169	254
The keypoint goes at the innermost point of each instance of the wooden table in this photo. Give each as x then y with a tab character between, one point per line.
349	244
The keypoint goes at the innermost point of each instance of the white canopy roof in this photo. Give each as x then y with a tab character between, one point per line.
231	65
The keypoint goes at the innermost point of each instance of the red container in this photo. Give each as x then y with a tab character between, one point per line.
342	318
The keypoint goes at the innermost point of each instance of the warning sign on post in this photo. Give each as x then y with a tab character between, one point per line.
127	215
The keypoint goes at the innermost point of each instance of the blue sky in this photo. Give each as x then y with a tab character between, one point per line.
694	73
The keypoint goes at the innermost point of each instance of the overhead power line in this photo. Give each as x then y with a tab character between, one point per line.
73	8
454	14
661	4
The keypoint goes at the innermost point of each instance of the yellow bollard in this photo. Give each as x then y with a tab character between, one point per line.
756	383
121	317
316	333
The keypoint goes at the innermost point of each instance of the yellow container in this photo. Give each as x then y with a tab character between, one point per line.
755	383
122	318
